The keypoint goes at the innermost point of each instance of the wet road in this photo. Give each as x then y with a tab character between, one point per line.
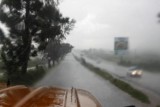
150	81
70	73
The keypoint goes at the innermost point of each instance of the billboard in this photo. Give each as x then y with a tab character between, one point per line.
120	45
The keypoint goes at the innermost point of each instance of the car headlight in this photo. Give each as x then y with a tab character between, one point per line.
133	73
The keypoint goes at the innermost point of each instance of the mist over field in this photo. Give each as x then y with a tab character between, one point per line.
99	22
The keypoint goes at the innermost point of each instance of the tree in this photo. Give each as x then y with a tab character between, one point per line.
56	50
1	35
30	22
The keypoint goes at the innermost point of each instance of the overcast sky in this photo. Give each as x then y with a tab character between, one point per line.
99	21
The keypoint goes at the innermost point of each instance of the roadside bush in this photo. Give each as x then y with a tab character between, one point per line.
30	77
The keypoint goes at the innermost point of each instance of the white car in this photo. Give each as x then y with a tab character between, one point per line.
135	72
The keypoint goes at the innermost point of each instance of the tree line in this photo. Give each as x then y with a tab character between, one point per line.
56	51
34	26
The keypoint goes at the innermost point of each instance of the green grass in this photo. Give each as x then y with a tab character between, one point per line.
3	79
27	79
118	83
2	70
130	90
30	77
33	62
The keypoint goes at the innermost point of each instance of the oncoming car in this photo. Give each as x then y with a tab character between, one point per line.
135	71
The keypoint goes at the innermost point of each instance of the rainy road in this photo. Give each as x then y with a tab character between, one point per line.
70	73
150	81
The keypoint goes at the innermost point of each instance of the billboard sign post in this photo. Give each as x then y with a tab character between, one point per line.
121	45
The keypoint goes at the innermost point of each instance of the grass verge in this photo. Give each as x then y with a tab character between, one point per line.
30	77
34	62
118	83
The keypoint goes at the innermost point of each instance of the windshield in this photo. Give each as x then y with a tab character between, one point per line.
107	47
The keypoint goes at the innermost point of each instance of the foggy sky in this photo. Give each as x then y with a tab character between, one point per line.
99	21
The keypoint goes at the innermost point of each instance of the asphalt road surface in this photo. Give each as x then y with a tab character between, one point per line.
148	80
70	73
